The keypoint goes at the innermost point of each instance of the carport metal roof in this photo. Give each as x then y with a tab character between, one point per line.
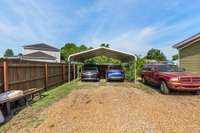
122	56
116	54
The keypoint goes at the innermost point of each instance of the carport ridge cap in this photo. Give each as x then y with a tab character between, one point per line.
129	54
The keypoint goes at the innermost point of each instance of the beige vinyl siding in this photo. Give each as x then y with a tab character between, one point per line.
190	57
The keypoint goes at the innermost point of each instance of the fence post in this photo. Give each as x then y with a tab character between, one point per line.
46	76
5	75
64	72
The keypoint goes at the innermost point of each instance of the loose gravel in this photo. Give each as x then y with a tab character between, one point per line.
121	109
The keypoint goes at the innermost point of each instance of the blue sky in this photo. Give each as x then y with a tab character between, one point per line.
132	25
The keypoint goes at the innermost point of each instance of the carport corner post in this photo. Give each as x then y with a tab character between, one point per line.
135	63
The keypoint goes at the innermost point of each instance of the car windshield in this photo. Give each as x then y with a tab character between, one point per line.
170	68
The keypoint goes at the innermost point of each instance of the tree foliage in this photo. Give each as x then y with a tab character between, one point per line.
141	61
71	48
129	70
106	45
175	57
9	53
156	54
103	59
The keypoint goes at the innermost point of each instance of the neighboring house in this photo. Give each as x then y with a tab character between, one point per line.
41	52
189	53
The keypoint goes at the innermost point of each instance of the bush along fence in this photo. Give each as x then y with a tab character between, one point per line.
16	74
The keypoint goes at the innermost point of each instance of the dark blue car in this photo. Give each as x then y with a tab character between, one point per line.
115	73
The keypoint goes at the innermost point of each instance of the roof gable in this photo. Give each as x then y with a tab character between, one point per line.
39	55
187	42
41	46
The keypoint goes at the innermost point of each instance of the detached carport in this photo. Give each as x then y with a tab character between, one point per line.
115	54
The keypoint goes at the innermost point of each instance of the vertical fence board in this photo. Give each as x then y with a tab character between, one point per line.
46	76
23	75
5	76
1	76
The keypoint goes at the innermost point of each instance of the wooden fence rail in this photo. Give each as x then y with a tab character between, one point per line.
23	75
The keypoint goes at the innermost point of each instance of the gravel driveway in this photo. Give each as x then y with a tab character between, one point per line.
120	108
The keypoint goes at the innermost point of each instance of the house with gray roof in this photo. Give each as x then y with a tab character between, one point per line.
41	52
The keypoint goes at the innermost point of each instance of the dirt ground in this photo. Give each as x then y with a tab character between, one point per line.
120	108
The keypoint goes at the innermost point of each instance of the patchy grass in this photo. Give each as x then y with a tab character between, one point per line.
147	88
55	94
32	116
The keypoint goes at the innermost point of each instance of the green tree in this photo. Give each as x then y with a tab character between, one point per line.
175	57
105	45
156	54
141	61
71	48
104	59
82	48
129	70
9	53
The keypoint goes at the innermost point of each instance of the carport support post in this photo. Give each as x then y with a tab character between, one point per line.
135	73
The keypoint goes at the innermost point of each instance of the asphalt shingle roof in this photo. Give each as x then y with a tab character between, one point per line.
41	46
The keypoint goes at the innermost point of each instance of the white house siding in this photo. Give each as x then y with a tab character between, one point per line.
52	53
41	60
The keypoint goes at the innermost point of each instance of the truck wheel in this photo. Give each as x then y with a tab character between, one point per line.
163	88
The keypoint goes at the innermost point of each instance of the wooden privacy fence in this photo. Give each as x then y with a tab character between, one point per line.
23	75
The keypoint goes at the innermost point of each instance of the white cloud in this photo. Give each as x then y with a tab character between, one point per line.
44	21
139	41
136	41
32	22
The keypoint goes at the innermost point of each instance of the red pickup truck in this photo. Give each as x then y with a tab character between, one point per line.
170	77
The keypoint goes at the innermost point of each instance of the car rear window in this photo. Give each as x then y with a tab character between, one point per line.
114	67
91	69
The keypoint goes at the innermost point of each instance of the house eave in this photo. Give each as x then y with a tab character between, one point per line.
187	42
